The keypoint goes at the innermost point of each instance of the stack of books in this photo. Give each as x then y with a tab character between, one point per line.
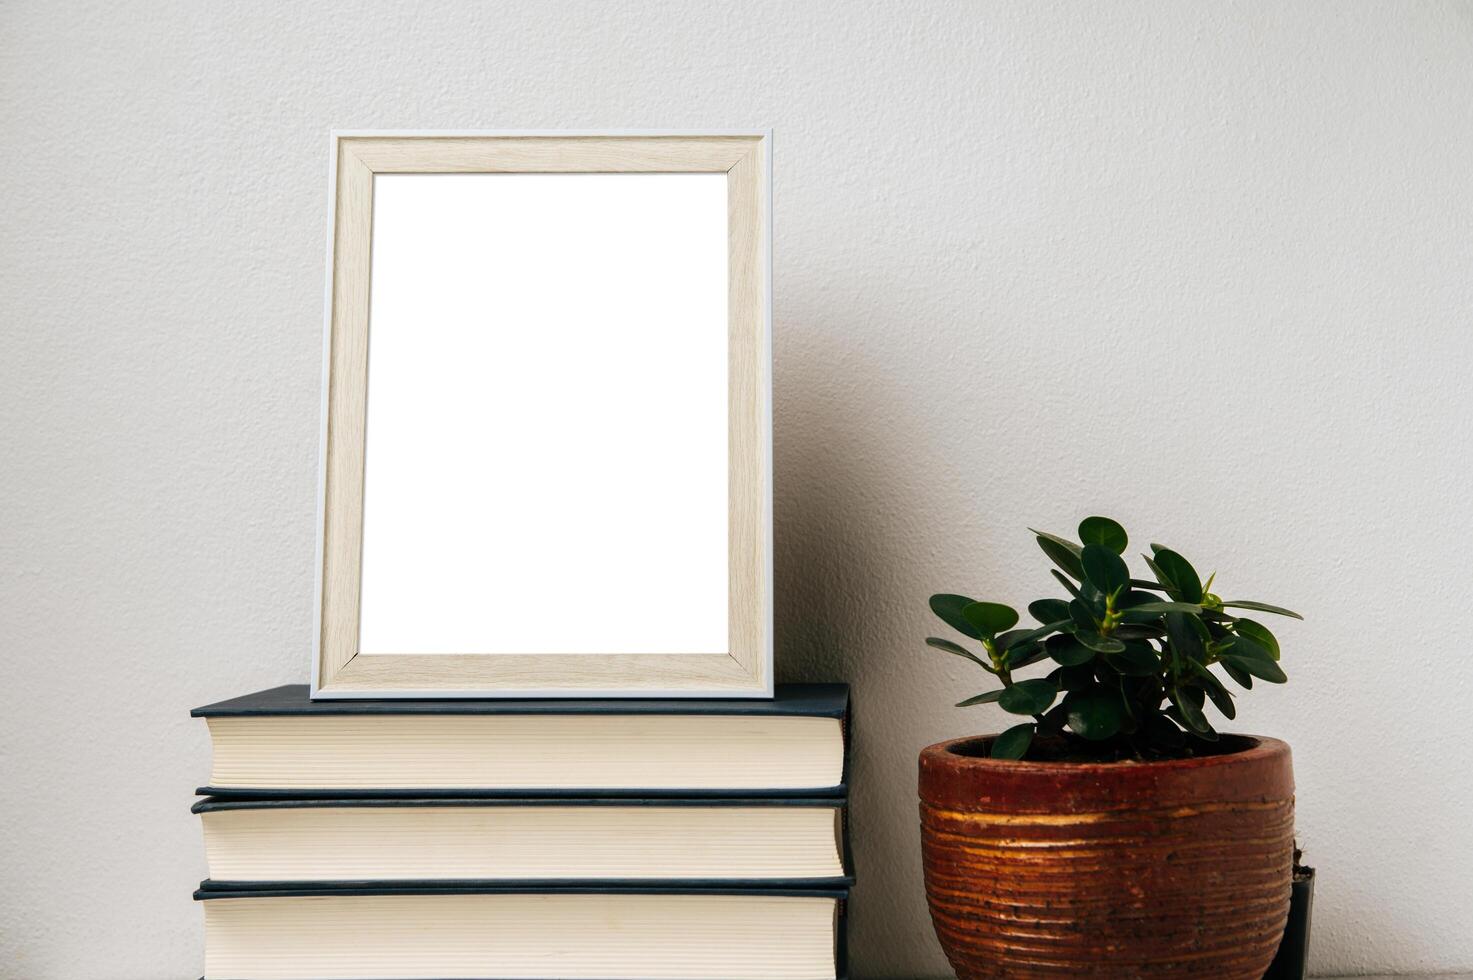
393	840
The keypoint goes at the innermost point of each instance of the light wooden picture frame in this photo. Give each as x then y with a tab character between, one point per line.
340	669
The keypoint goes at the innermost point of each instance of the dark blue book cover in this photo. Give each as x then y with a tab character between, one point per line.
810	700
206	893
790	701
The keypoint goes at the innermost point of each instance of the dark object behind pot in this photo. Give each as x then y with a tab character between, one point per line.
1293	955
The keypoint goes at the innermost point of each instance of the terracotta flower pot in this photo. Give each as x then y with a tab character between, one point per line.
1132	869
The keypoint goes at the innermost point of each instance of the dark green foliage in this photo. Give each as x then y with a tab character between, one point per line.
1132	657
949	609
1067	650
1013	743
1095	713
1103	531
1104	569
1028	697
987	698
1048	610
990	618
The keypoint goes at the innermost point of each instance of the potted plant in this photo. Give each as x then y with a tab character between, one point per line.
1113	832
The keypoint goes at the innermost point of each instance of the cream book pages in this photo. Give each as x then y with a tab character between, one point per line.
651	936
282	842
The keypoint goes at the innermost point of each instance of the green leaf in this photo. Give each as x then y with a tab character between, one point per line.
1013	743
1246	646
1025	656
1065	649
1061	552
1180	572
1122	684
1263	669
1064	581
1139	631
1095	713
1167	607
947	646
1076	677
1105	532
949	608
1262	607
1206	734
1162	577
1220	695
1004	640
1028	697
1053	720
987	698
1130	604
1136	660
990	618
1244	679
1259	634
1097	643
1012	638
1189	710
1185	641
1083	617
1161	730
1048	610
1104	569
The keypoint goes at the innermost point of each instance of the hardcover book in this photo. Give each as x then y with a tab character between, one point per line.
589	933
793	842
279	743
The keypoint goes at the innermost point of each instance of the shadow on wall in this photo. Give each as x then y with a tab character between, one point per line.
851	543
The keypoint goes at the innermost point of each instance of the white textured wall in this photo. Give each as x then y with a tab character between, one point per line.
1203	266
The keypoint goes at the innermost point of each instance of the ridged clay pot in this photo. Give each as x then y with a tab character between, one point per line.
1172	869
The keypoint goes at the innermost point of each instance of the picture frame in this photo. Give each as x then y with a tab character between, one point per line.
343	666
